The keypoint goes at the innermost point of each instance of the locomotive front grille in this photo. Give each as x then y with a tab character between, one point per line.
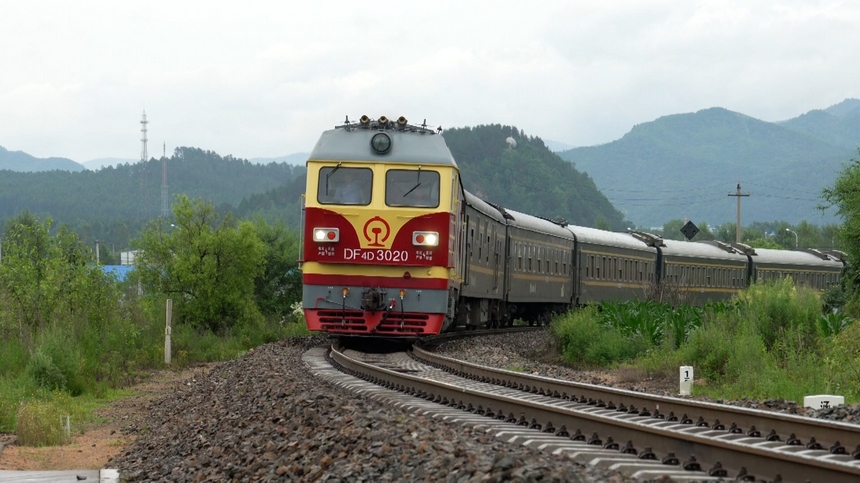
353	321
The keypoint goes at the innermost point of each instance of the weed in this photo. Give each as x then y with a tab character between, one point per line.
39	423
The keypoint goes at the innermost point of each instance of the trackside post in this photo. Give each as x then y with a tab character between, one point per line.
167	331
686	380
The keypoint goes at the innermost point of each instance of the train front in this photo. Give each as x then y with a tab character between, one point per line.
378	231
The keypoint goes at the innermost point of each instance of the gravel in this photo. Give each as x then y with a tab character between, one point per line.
263	417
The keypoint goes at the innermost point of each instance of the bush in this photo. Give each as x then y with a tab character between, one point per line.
59	354
45	373
841	363
39	424
777	308
13	357
586	341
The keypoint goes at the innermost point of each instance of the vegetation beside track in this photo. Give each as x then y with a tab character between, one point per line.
773	340
73	336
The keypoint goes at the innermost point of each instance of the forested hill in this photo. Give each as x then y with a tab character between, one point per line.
684	165
528	178
21	161
131	193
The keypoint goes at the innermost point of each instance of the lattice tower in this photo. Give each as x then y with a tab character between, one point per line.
164	181
144	156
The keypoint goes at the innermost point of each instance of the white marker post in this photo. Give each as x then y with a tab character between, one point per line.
823	401
167	332
686	380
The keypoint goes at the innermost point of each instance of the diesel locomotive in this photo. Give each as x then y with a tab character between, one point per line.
394	246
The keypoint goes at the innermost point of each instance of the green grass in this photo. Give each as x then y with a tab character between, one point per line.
771	341
586	340
79	372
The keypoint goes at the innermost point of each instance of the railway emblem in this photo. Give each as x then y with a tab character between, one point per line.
376	231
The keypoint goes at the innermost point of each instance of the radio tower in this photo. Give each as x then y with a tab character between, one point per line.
144	205
164	181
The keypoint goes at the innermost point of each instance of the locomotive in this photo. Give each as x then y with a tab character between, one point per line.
394	246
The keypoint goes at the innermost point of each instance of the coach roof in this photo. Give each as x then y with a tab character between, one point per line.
407	146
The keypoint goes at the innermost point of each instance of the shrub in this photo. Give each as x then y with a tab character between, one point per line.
776	307
13	357
45	373
585	340
842	362
39	424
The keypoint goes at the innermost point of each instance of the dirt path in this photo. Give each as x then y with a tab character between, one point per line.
100	441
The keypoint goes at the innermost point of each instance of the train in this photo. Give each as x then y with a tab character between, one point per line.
394	246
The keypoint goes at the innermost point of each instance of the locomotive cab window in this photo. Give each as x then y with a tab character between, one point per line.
414	188
344	186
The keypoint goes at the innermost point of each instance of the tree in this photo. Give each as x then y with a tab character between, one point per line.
279	284
845	196
205	261
50	279
29	266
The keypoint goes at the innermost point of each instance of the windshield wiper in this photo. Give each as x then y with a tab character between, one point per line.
417	185
329	176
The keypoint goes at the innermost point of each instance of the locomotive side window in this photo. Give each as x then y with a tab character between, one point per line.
414	188
344	186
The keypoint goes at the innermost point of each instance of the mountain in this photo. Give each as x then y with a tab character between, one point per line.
112	203
528	178
556	146
21	161
685	165
838	125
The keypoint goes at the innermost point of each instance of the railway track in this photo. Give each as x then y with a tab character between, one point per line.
642	435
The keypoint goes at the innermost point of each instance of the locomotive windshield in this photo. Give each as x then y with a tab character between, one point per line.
414	188
344	186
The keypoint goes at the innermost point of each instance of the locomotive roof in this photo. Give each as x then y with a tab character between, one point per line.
585	234
409	144
700	250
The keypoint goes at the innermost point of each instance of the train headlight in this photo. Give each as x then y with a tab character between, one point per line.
326	235
425	238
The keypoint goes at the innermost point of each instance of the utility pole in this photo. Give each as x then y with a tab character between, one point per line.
738	195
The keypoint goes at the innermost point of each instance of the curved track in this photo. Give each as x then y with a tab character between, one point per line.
675	433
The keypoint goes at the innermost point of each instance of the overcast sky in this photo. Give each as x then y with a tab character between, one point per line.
256	80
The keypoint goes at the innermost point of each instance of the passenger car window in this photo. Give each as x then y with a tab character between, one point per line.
344	186
414	187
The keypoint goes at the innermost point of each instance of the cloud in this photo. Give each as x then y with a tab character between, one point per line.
256	79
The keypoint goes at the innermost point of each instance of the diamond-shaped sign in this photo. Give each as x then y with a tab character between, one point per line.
689	230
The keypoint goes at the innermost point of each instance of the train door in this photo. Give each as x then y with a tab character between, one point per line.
496	258
575	269
460	222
